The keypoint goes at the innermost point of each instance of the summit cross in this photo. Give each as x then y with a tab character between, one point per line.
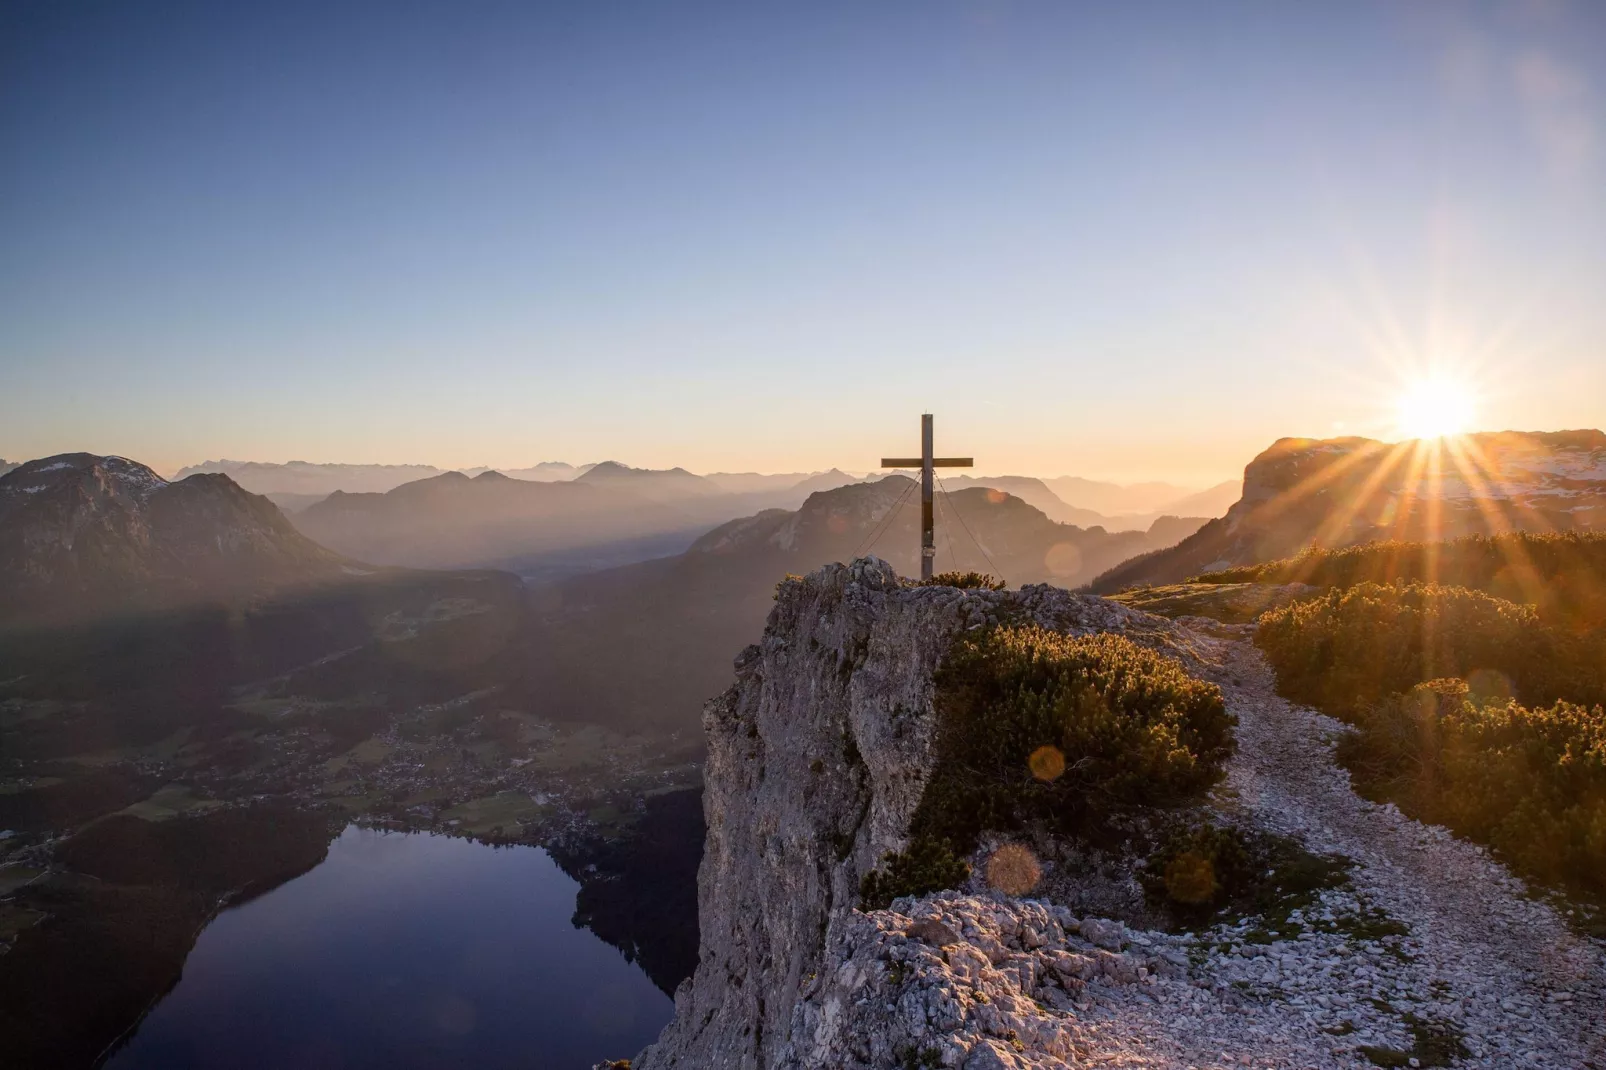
926	462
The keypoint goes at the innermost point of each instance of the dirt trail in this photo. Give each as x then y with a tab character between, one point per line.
1504	969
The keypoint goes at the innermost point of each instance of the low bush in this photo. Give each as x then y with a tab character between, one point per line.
1530	782
1132	728
925	867
1563	575
1044	730
1349	649
964	580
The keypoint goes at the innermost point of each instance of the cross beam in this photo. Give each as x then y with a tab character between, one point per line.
926	462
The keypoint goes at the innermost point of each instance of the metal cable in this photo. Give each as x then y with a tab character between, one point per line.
875	537
996	570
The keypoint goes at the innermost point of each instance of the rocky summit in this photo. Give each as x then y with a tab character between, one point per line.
1344	491
82	533
1425	952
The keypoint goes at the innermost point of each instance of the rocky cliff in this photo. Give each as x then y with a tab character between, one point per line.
1343	491
1396	944
818	755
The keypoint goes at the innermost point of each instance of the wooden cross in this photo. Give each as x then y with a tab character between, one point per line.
926	462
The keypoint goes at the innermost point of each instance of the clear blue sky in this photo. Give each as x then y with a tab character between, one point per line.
1130	240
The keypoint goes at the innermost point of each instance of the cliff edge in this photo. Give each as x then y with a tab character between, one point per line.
1378	940
818	755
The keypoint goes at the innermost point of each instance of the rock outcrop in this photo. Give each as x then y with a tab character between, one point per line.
1343	491
818	755
1425	951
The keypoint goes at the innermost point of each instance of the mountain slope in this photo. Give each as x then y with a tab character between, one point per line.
1341	492
302	477
1115	499
1035	493
1212	502
454	521
81	534
544	472
648	643
759	482
668	485
300	483
829	480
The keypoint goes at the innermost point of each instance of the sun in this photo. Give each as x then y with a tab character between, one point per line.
1435	408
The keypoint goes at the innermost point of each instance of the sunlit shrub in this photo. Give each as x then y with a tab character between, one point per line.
1127	727
1132	727
1531	782
1563	575
1350	648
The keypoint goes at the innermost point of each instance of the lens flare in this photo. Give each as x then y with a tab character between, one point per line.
1013	869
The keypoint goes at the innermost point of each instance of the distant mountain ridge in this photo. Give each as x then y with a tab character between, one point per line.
1115	499
453	521
648	642
6	466
81	533
1344	491
1212	502
303	478
660	485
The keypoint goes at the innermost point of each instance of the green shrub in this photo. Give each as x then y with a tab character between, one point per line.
1060	732
1131	726
964	580
1529	782
1349	649
927	866
1563	575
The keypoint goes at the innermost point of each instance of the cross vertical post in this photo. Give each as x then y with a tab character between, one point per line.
926	463
928	528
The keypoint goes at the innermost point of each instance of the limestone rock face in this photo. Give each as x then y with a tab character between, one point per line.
1011	991
818	755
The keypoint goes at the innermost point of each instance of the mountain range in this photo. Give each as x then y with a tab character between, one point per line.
649	642
1115	507
295	485
454	521
81	534
608	515
1343	491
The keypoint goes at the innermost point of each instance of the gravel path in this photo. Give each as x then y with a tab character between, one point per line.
1502	969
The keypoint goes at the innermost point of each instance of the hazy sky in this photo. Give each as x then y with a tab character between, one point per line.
1130	240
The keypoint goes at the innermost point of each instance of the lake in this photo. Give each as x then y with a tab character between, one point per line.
403	950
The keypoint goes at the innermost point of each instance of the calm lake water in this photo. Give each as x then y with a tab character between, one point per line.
400	951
